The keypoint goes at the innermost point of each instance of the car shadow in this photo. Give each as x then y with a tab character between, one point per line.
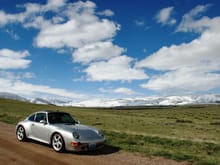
105	150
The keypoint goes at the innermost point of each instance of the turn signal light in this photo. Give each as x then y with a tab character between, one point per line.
74	144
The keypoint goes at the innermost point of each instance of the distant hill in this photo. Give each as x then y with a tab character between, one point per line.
12	96
144	101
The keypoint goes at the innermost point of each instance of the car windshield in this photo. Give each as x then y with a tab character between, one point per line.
59	117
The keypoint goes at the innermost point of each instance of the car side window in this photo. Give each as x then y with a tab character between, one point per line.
40	116
31	118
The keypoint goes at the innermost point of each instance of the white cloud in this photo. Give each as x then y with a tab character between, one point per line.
120	90
5	84
142	24
118	68
139	22
62	51
10	18
190	21
73	24
96	52
10	59
17	75
76	26
123	90
106	12
31	90
75	33
184	80
54	4
13	35
68	26
28	75
192	66
164	16
203	51
31	11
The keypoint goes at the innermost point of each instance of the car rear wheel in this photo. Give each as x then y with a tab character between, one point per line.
21	136
58	143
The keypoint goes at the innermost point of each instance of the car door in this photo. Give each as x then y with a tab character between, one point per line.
40	131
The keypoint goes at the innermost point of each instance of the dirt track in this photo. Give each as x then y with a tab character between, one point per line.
15	152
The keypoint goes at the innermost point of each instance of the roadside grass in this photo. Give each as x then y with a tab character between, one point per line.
180	150
182	133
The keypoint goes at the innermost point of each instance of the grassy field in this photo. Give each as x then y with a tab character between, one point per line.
190	133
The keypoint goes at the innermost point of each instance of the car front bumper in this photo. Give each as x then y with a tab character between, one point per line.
85	146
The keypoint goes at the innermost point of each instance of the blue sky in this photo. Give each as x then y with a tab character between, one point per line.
106	49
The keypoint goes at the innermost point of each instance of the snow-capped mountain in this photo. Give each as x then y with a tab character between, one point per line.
40	101
150	101
12	96
144	101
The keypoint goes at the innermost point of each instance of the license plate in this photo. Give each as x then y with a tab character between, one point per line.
92	146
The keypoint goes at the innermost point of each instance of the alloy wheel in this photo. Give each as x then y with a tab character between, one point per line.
57	142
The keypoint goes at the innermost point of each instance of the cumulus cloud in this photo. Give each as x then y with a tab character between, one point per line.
164	16
31	11
96	52
75	33
191	22
73	24
10	59
184	80
77	27
189	66
10	18
201	52
118	68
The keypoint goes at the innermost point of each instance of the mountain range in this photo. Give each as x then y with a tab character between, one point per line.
141	101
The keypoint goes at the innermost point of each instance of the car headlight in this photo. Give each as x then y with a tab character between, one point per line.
76	135
100	133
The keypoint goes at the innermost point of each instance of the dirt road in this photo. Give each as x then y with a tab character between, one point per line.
15	152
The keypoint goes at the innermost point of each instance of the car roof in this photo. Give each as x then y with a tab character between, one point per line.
50	111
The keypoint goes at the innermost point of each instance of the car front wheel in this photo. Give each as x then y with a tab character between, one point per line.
58	142
21	136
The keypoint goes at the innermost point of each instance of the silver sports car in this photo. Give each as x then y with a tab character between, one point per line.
60	130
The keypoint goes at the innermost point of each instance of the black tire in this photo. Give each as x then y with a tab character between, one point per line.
58	143
20	133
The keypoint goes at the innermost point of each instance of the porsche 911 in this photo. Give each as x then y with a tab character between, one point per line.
60	130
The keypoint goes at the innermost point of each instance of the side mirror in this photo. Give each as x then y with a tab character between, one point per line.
43	121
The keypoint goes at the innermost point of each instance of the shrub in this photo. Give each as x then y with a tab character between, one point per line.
183	121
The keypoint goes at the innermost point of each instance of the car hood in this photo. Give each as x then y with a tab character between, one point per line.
85	132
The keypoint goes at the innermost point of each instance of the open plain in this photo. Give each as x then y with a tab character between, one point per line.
135	135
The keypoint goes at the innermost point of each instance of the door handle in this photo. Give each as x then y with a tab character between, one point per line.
32	124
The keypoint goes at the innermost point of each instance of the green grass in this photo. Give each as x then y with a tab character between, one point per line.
189	133
175	149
